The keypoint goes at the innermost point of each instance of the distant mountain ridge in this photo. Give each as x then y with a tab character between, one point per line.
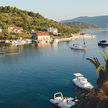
97	20
82	25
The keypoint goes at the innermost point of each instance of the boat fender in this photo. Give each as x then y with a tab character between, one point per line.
67	100
17	69
56	103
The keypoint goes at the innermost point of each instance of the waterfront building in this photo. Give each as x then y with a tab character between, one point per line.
42	37
53	30
0	30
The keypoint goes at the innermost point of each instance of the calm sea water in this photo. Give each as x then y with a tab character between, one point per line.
29	79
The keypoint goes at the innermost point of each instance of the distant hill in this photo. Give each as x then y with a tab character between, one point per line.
30	20
82	25
97	20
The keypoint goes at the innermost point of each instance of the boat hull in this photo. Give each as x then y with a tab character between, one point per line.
102	44
76	83
77	48
59	104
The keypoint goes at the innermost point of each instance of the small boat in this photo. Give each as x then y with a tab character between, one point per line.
13	42
7	41
63	102
56	40
103	43
78	47
20	42
28	41
81	82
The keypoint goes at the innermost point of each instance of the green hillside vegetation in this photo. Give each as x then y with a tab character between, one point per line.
82	25
30	20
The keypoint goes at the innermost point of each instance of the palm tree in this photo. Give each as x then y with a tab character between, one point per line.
102	70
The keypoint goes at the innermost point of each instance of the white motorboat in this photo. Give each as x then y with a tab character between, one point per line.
20	42
82	82
28	41
7	41
63	102
78	47
56	40
78	75
14	42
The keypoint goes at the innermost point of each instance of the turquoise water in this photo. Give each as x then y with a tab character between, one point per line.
29	79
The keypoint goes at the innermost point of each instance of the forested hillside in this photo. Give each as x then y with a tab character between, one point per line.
30	20
82	25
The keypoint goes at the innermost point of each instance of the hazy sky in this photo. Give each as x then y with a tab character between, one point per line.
61	9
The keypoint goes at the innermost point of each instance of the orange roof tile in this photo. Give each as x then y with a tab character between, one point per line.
10	26
18	28
42	34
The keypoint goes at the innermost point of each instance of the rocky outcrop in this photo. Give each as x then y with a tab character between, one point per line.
96	98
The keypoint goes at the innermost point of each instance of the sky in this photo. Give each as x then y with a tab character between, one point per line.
61	9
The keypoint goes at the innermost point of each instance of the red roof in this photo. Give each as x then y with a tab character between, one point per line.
42	34
10	26
15	27
18	28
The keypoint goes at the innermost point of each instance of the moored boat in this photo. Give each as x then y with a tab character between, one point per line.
7	41
13	42
20	42
28	41
63	102
56	40
103	43
81	82
78	47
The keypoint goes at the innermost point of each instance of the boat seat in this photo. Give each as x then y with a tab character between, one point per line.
58	98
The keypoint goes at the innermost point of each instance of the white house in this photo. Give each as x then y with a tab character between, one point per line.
53	30
0	30
42	37
18	29
13	29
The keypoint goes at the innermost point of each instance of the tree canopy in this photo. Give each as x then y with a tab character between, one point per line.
30	20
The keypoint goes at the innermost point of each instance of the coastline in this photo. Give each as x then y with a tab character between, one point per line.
76	36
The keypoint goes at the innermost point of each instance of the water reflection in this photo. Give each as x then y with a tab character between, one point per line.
41	45
103	47
41	70
55	47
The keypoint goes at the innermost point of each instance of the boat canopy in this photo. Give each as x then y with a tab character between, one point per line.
81	77
78	75
58	95
103	41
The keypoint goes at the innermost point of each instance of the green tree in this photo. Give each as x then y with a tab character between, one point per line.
30	20
6	34
1	35
102	70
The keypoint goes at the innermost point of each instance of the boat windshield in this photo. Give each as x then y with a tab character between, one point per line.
78	75
58	96
103	41
82	79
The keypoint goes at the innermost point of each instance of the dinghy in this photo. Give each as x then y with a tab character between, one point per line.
63	102
81	82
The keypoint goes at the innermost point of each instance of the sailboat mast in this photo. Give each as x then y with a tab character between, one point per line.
84	41
106	31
